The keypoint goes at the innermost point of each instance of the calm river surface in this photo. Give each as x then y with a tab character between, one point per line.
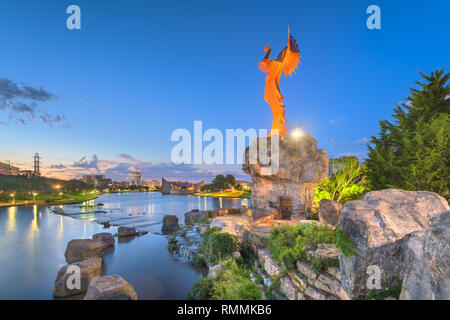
33	240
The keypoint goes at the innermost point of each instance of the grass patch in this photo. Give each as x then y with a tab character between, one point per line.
287	244
217	245
233	283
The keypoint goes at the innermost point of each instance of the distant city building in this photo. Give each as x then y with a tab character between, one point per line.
152	185
137	178
88	179
98	181
7	169
37	171
180	188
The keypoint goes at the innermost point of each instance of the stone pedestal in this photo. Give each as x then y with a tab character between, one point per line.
289	191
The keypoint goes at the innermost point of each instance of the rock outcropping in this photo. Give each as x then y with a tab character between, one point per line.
428	255
82	249
330	212
288	191
89	269
380	225
112	287
169	224
126	232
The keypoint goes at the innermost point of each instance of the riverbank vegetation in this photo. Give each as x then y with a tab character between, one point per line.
217	245
224	187
233	282
39	190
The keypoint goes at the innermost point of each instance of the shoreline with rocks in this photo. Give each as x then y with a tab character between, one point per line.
85	256
404	234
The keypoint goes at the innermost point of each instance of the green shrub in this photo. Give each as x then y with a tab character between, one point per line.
287	244
249	257
347	181
201	290
288	258
217	245
319	265
234	283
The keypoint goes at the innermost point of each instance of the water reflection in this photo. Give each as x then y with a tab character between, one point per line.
12	218
33	241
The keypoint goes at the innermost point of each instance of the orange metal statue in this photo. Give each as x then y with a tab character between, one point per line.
286	62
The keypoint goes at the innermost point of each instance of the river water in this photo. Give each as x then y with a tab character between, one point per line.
33	240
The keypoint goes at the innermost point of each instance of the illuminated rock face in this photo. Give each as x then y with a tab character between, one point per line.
288	191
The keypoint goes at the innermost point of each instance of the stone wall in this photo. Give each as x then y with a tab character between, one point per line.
304	283
302	166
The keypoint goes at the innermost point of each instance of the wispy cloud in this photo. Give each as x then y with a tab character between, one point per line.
21	103
90	103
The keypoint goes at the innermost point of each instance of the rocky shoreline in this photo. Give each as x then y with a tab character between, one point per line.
404	234
83	273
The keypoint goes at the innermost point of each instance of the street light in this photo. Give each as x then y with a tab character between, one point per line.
34	195
12	196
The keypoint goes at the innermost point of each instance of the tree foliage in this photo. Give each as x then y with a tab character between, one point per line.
221	182
347	181
413	151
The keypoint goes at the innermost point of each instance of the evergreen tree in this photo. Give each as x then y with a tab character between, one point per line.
413	152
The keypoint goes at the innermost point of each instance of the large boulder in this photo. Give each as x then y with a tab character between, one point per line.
89	269
379	225
237	225
169	223
112	287
126	232
287	189
329	212
82	249
429	258
105	238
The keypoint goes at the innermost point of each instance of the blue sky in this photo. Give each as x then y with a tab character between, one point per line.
137	70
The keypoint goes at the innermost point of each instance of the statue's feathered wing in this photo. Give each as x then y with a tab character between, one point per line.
286	63
292	57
